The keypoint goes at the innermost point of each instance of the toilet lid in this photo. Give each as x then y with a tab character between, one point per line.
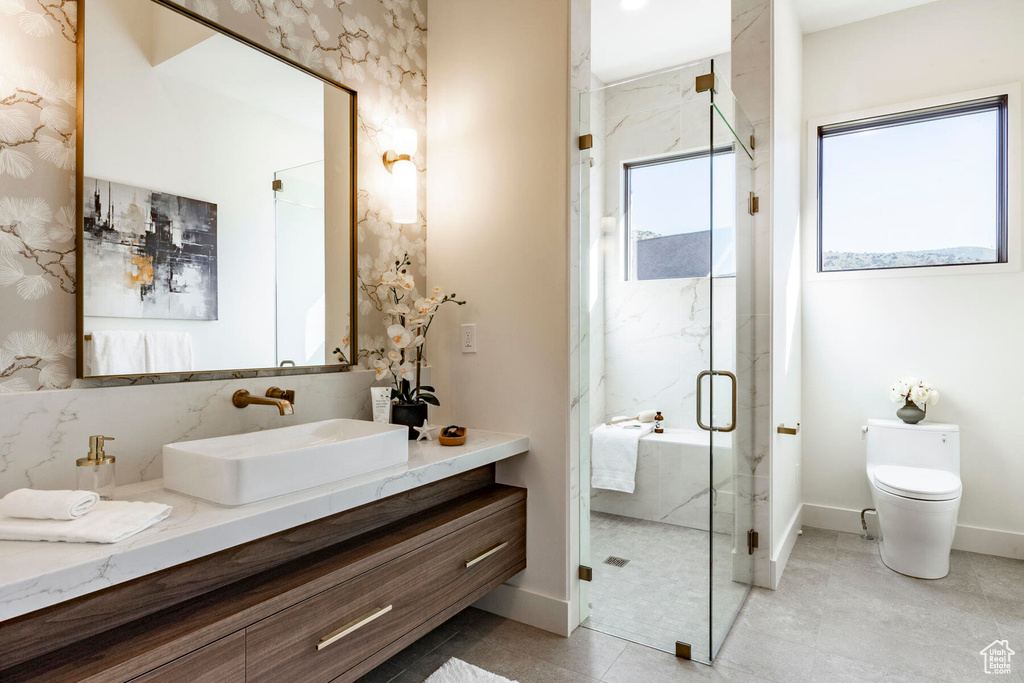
917	482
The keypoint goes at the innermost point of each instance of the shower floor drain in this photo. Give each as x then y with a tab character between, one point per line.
617	561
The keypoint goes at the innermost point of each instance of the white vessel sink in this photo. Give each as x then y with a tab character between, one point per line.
245	468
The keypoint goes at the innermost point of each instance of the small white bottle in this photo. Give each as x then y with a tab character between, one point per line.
96	472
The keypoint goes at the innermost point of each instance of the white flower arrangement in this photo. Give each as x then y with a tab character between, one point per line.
913	390
407	320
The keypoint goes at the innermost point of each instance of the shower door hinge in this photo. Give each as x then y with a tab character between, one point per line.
753	204
586	573
752	145
683	650
586	141
277	185
706	82
751	541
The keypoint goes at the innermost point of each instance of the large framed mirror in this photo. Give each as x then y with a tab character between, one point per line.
216	189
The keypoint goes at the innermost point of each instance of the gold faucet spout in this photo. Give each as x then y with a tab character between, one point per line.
243	398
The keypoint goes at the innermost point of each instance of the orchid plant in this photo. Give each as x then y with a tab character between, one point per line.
408	319
913	390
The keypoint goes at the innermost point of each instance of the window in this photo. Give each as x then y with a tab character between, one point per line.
669	216
916	189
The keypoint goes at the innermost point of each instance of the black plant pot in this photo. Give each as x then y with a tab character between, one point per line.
409	414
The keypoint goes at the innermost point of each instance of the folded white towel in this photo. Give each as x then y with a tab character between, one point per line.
613	455
32	504
109	522
118	352
169	351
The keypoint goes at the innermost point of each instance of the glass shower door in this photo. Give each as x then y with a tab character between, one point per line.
301	254
731	378
664	299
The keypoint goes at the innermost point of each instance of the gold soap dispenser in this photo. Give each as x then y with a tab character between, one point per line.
96	472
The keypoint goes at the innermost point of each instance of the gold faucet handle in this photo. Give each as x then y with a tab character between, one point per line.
283	394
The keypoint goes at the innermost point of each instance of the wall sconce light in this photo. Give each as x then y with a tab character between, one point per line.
398	162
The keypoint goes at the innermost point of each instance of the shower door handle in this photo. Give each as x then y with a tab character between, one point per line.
700	399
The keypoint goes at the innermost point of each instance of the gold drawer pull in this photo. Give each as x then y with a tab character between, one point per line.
352	626
481	558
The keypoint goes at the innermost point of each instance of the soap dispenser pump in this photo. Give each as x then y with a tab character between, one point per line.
96	472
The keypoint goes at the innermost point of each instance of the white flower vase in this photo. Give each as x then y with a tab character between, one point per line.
910	413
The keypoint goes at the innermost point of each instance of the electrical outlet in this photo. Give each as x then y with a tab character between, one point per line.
469	338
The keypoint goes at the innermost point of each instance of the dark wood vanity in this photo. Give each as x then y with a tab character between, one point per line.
325	601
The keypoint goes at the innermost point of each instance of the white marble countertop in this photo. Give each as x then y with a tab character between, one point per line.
34	575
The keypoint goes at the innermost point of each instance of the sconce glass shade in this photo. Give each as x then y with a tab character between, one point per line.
405	141
403	192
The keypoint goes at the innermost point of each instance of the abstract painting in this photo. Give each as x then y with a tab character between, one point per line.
148	254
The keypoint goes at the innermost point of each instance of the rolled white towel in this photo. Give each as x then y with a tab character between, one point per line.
32	504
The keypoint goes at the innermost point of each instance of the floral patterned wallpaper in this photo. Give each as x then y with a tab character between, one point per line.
377	47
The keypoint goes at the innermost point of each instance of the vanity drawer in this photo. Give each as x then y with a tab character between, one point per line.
321	638
220	662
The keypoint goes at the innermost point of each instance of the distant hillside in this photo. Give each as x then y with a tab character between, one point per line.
849	260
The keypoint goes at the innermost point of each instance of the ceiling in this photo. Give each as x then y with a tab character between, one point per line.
231	69
818	15
662	34
667	33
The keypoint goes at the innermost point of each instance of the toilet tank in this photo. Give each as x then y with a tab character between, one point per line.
932	445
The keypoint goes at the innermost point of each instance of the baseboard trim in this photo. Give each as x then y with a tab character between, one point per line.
534	609
778	563
971	538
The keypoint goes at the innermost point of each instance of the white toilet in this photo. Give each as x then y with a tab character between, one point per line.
914	471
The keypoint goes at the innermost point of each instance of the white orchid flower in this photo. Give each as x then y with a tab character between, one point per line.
399	336
417	341
424	306
381	368
404	370
399	310
406	282
388	277
394	356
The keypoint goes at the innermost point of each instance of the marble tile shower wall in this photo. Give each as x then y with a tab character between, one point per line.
579	342
751	83
376	46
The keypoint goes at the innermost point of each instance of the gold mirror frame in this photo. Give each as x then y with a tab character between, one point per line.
228	373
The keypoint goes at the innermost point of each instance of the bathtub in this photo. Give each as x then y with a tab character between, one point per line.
673	472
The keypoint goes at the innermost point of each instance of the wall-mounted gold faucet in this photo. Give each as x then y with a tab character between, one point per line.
284	399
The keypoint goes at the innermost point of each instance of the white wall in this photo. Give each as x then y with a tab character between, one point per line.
209	147
498	124
786	313
963	332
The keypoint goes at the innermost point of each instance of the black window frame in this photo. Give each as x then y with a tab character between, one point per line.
628	166
998	103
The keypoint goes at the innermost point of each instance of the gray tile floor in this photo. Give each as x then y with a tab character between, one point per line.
839	615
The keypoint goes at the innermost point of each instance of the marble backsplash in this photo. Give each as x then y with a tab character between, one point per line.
43	433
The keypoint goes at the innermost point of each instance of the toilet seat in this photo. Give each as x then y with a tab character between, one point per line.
917	483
